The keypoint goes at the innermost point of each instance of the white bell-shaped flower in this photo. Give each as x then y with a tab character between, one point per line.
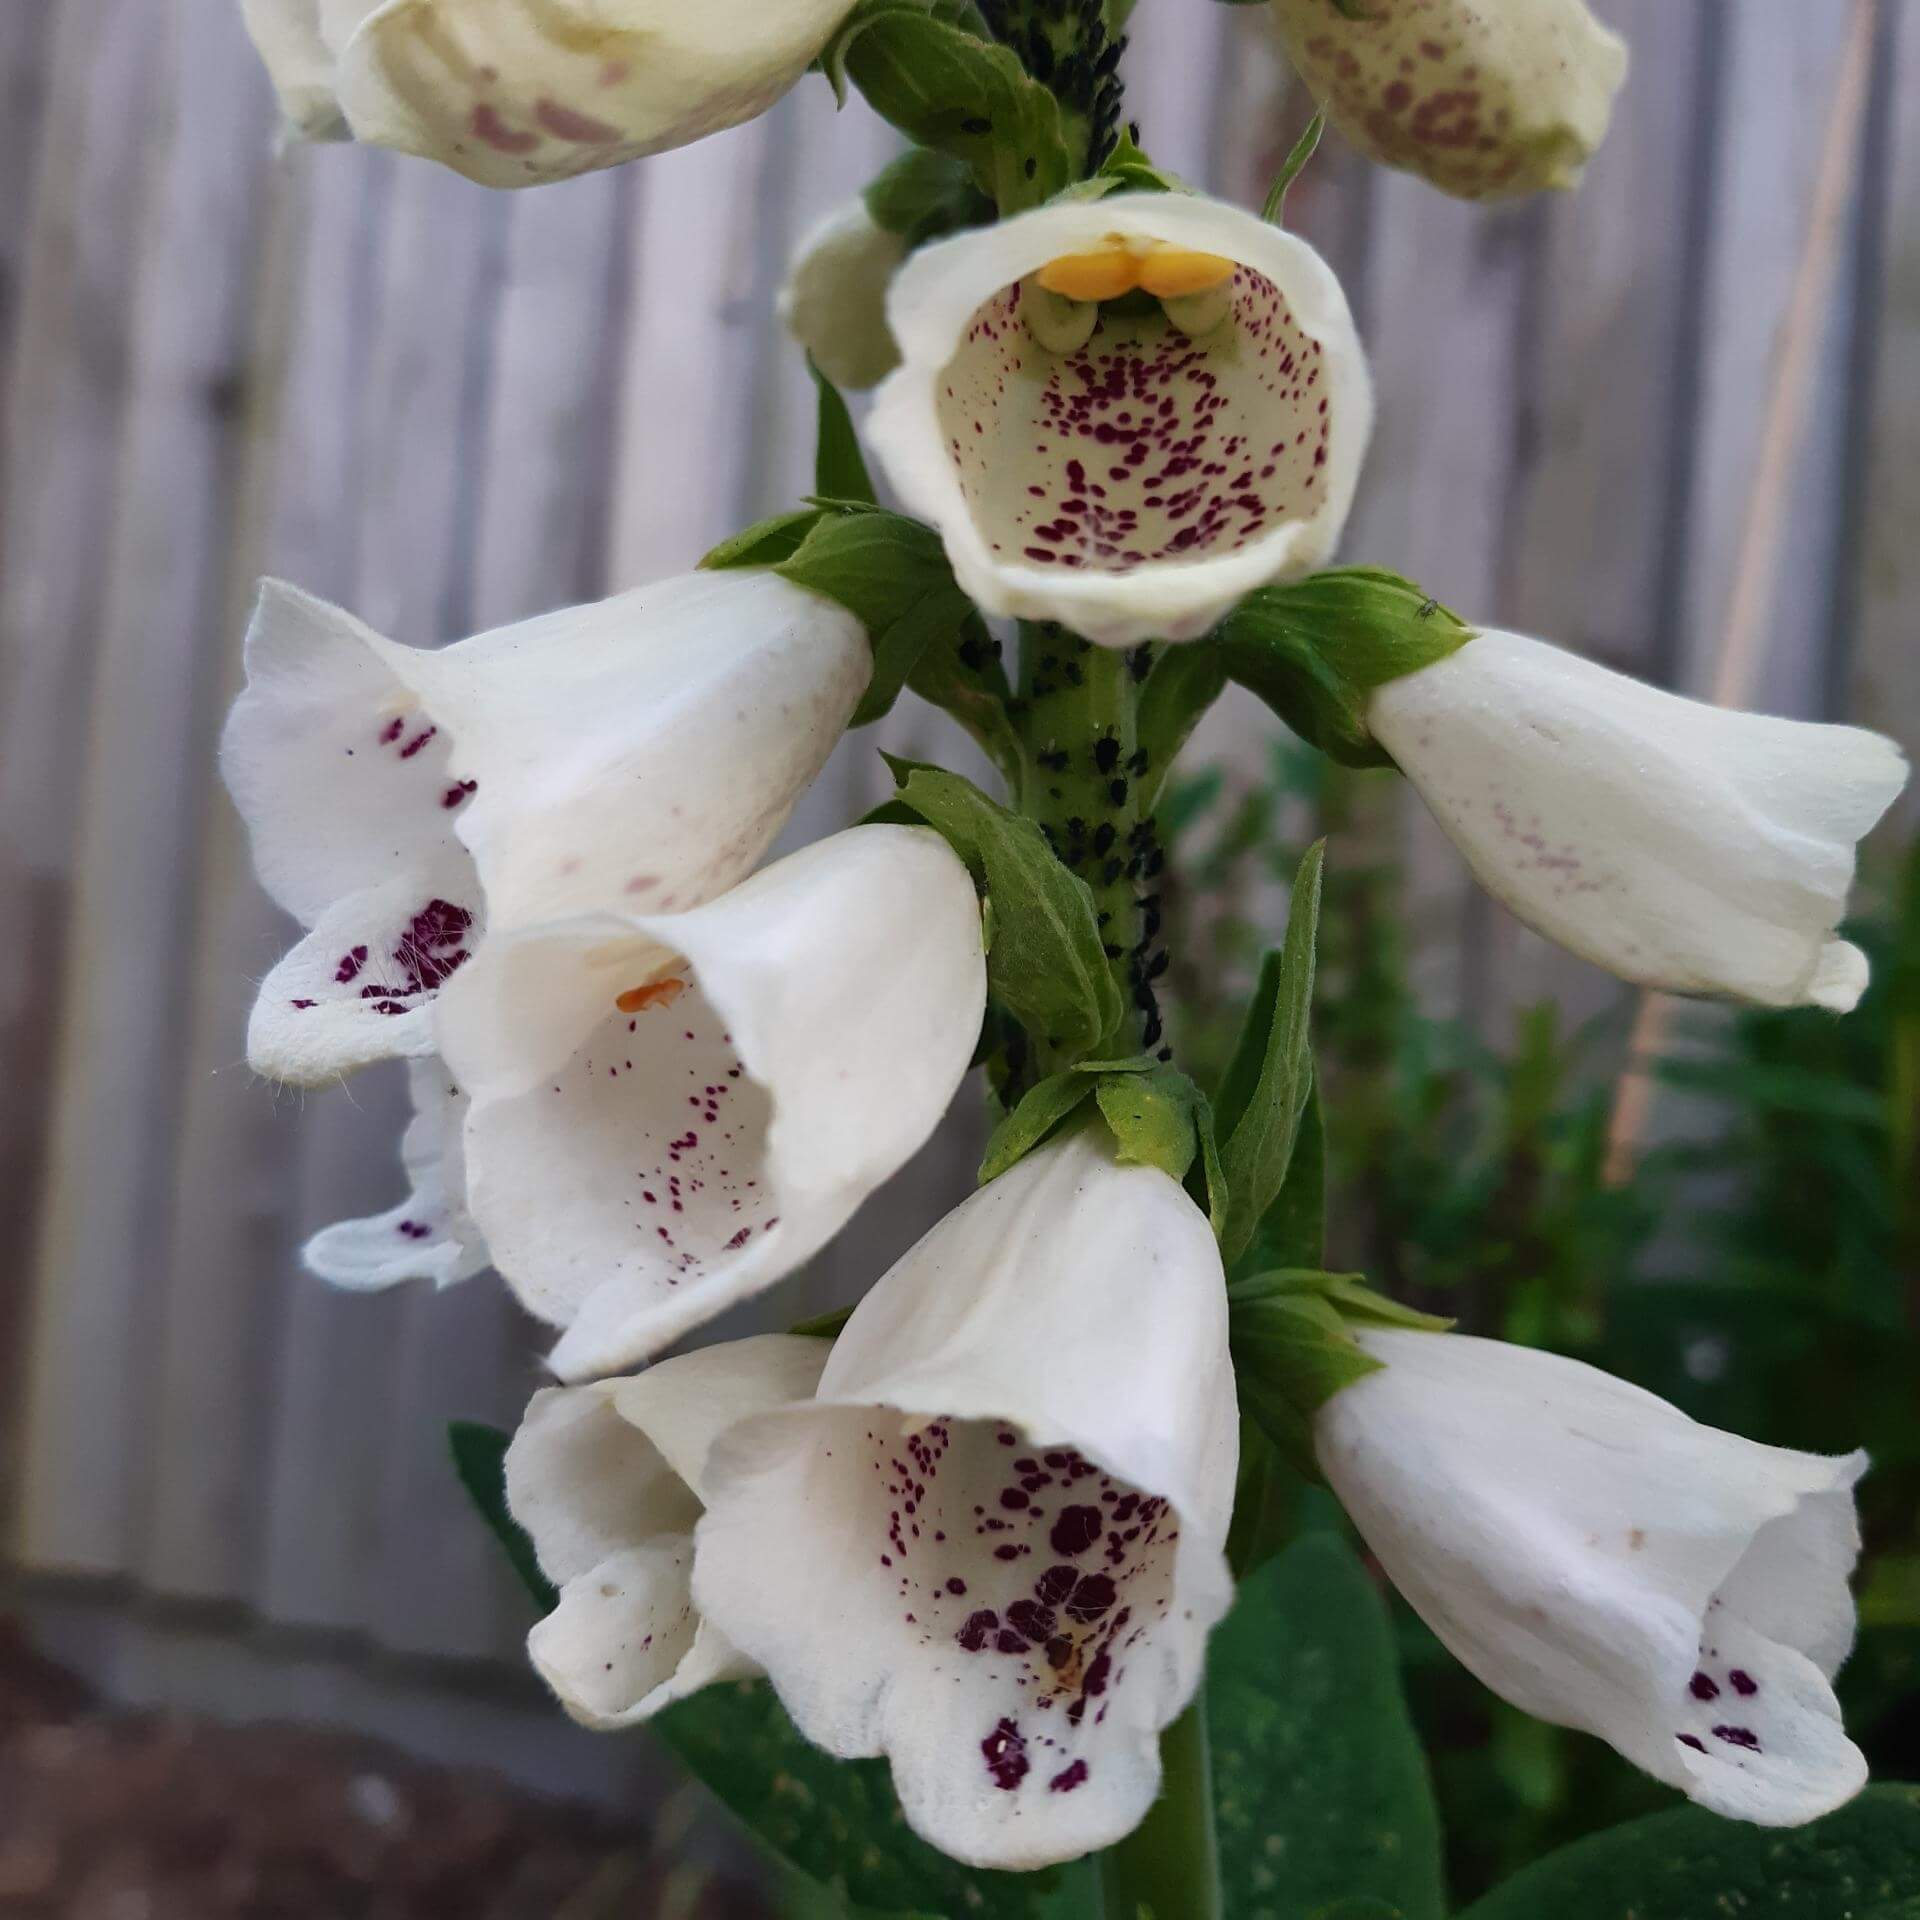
672	1111
430	1235
1678	845
515	92
643	749
1605	1563
1124	414
834	301
999	1527
609	1480
1483	98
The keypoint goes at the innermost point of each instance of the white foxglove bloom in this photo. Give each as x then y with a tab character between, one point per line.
430	1235
515	92
643	749
1606	1563
1124	414
835	298
672	1111
609	1480
999	1528
1678	845
1483	98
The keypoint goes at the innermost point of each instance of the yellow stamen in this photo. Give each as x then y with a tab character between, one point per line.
1170	272
1104	275
656	993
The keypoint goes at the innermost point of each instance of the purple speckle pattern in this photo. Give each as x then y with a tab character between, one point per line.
1143	445
1723	1701
1035	1602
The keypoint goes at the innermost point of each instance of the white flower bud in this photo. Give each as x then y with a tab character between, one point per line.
835	298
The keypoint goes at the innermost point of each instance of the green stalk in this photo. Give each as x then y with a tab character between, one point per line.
1168	1868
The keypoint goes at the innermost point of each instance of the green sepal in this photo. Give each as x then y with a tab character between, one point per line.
766	543
1043	1109
1316	651
1125	170
1048	966
1274	211
950	88
1265	1089
839	467
1347	1293
923	194
480	1459
1160	1118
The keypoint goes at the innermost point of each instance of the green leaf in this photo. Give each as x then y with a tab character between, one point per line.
938	616
839	468
1293	1230
1048	966
948	88
1152	1118
1267	1083
479	1458
1041	1110
924	194
877	565
1275	209
836	1820
767	542
1182	684
1320	1783
1347	1293
1862	1863
1292	1352
1315	651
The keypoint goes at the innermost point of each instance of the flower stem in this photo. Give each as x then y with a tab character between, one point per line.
1168	1868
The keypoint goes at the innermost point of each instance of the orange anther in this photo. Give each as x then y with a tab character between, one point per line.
1168	272
1102	275
656	993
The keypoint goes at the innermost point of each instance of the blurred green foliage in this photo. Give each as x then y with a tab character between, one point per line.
1761	1269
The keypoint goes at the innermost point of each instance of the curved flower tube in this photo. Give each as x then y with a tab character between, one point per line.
1606	1563
1000	1525
430	1235
643	748
1484	99
834	301
673	1111
608	1480
512	93
1678	845
1124	414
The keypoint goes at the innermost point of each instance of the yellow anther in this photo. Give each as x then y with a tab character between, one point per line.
1169	272
1104	275
656	993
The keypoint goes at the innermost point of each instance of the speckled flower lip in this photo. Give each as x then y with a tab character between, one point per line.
1125	414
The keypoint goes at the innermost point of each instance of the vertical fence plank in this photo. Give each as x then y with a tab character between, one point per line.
66	384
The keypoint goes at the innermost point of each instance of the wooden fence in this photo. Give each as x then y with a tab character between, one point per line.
449	408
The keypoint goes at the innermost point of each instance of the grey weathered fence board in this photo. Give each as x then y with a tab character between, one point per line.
456	409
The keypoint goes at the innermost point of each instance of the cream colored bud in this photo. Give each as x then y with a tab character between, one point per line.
1485	99
835	299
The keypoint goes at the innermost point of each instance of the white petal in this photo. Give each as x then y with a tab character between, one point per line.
637	1171
1676	844
602	1478
514	92
644	749
999	1529
1134	489
1605	1563
300	42
835	298
360	987
429	1235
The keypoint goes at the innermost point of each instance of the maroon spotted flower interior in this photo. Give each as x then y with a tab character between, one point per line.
1144	445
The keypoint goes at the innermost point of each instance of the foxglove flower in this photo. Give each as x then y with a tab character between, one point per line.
999	1527
1604	1562
430	1235
1678	845
1124	414
672	1111
643	749
609	1480
1483	98
515	92
835	298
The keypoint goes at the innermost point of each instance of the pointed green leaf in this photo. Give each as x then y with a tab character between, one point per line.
479	1458
1041	1110
1264	1093
766	543
1292	1352
1293	1230
935	617
1347	1293
1275	209
839	467
1182	684
1320	1783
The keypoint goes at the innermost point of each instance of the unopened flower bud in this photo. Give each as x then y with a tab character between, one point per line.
1485	99
835	299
